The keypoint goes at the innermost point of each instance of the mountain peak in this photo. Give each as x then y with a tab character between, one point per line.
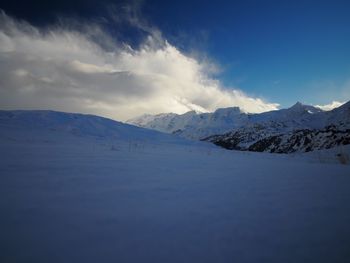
190	113
229	110
298	104
300	107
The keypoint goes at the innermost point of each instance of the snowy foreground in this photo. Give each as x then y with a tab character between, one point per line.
148	197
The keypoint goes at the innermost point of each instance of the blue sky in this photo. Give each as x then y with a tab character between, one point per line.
281	51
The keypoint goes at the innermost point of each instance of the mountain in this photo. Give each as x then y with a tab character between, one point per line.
294	141
339	116
297	129
198	126
193	125
303	141
160	122
233	129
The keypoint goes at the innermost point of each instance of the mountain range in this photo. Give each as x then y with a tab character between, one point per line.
298	128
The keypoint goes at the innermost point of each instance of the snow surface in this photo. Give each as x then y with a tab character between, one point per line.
79	188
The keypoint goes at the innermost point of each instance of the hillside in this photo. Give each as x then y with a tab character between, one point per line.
81	188
60	125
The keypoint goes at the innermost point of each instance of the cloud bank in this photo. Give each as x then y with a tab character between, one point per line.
330	106
87	71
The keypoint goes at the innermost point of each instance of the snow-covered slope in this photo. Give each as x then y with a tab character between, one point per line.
160	122
339	116
303	141
295	141
53	124
78	188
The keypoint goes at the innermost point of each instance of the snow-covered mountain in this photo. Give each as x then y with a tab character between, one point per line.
303	141
198	126
194	125
275	131
295	130
294	141
234	129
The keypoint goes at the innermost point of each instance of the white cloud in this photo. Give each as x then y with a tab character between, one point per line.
330	106
68	70
91	68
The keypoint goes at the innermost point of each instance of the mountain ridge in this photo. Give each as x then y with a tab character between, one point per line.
233	129
44	123
198	126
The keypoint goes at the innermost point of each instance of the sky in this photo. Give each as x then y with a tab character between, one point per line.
121	59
